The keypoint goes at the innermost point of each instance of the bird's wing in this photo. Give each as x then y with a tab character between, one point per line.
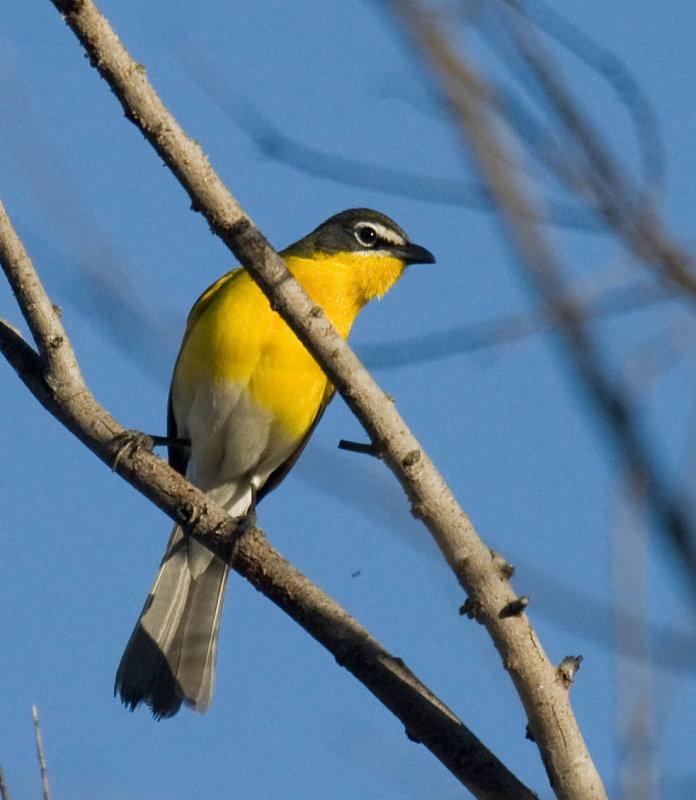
178	455
280	472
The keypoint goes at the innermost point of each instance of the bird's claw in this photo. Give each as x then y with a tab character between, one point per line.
129	441
246	522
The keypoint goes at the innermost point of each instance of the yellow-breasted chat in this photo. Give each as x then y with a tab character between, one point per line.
247	395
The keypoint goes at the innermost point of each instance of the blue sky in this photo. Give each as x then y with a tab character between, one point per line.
119	250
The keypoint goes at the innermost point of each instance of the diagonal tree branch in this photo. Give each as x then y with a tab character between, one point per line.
463	89
627	211
425	717
274	143
481	573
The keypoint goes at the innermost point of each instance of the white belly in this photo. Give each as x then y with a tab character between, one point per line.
235	443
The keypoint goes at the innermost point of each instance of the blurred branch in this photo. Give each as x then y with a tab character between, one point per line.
101	285
52	375
468	97
277	145
537	124
40	754
502	330
635	678
626	210
4	794
617	76
464	89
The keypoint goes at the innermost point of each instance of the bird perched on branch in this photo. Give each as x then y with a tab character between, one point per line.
247	395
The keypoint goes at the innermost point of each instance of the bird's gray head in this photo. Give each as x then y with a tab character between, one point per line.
361	230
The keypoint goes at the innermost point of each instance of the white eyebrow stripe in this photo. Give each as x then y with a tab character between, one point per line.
386	234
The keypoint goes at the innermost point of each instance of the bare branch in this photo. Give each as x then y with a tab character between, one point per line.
625	209
40	754
41	317
426	719
480	573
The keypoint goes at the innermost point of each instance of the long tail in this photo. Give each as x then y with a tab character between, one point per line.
170	657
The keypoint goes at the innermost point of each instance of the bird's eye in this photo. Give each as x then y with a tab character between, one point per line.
366	235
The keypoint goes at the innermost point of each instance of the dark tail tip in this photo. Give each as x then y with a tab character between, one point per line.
144	676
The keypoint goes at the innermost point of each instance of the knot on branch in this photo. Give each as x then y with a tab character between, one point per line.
514	608
567	668
473	609
412	736
506	570
411	458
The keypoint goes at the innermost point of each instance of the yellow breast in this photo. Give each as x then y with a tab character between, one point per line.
233	335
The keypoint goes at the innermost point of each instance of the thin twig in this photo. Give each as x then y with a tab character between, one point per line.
40	753
366	448
4	794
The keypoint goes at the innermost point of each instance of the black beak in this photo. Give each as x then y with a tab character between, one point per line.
414	254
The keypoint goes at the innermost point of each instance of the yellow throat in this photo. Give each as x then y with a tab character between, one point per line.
233	335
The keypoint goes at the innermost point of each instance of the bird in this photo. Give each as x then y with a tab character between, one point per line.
244	399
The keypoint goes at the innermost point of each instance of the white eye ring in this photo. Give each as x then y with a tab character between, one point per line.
366	235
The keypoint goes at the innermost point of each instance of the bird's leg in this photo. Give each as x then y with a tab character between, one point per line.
168	441
249	519
133	440
367	448
243	524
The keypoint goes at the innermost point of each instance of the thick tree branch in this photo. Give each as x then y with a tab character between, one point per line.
479	571
426	718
